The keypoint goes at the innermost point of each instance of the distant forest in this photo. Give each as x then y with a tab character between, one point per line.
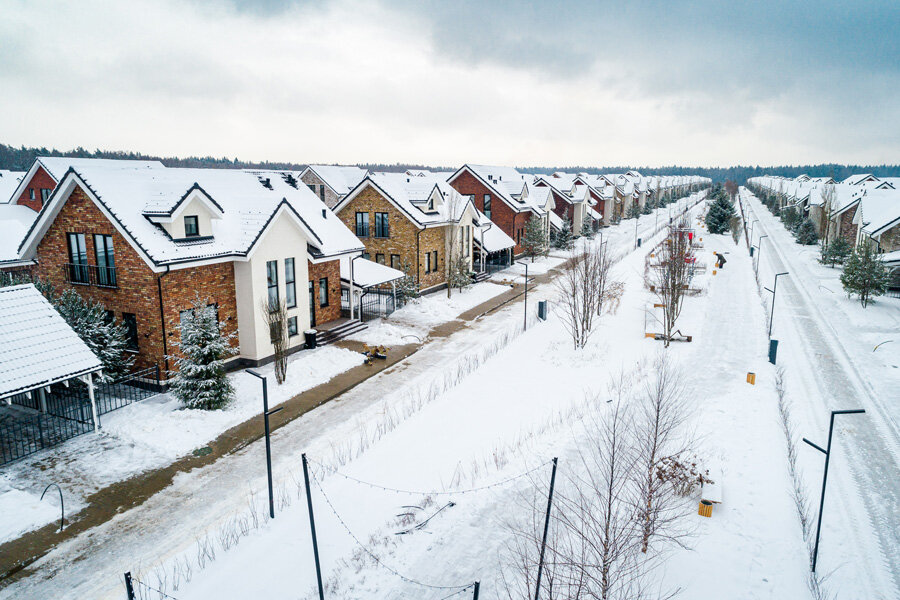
20	159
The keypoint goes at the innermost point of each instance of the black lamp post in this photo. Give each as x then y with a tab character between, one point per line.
266	414
772	311
759	252
827	453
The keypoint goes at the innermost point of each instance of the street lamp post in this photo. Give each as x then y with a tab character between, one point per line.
772	311
827	453
754	222
759	252
266	414
525	326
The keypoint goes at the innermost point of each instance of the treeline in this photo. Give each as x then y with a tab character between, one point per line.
20	159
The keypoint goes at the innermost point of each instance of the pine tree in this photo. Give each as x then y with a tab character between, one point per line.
634	211
563	239
791	218
407	289
535	237
107	339
864	274
587	228
718	218
460	275
835	251
200	381
806	232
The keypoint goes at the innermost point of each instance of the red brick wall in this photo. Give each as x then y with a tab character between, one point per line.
332	270
136	290
41	180
563	209
501	214
847	229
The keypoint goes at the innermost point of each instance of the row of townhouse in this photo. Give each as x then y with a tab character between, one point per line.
144	239
860	208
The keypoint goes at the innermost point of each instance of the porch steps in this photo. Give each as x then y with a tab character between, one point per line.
482	276
323	338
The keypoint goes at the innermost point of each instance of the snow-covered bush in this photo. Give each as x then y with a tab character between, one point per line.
806	232
864	274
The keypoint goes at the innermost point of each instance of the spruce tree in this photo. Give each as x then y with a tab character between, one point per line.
587	228
864	274
406	288
563	239
200	381
634	211
806	232
718	218
835	251
460	275
535	241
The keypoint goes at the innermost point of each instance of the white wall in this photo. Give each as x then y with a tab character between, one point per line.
282	239
192	207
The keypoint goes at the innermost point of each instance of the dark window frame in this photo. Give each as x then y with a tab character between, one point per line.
293	329
398	267
323	288
362	224
130	322
290	283
195	220
435	261
382	225
379	258
272	283
78	260
487	206
106	268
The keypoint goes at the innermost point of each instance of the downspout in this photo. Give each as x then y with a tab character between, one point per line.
162	319
418	257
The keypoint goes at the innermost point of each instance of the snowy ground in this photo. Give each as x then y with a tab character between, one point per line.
413	322
827	346
146	435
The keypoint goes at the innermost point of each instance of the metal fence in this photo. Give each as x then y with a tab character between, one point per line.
373	304
44	419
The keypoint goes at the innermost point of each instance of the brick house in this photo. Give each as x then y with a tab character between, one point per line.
145	240
331	182
571	198
414	222
502	194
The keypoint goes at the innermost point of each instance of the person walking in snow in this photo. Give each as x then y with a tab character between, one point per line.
720	262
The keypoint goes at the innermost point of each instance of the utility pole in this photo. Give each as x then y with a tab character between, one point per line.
827	453
537	587
266	414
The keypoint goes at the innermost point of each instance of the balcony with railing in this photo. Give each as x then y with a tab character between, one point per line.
84	274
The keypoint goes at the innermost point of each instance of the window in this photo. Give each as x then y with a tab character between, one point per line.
362	224
290	283
45	193
312	187
78	264
434	261
487	206
130	321
367	256
292	326
106	262
382	228
428	262
395	261
379	258
272	283
323	291
322	193
110	317
31	193
191	227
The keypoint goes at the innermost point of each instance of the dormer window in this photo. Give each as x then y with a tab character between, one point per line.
191	226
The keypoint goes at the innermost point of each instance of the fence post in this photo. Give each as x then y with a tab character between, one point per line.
157	378
537	588
477	586
128	587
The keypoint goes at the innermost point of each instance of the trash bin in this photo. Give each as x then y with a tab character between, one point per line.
639	242
542	310
773	350
751	251
310	335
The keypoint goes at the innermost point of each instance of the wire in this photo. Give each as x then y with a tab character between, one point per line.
433	493
458	592
458	588
153	589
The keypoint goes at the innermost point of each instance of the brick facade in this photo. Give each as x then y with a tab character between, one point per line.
846	227
317	185
40	181
503	216
138	287
332	270
405	239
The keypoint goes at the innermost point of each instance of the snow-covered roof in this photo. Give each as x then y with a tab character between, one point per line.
428	200
891	259
368	273
860	178
491	237
37	347
9	181
56	166
341	179
136	197
879	210
15	221
556	221
595	214
538	199
506	182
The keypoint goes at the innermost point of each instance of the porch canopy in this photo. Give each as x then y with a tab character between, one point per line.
37	347
367	273
493	239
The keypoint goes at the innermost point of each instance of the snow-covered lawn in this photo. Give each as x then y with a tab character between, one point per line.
413	322
147	435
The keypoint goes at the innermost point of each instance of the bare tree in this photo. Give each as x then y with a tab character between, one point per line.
609	289
585	284
275	317
659	430
669	275
828	209
458	240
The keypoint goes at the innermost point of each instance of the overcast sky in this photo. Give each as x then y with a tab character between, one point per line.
445	82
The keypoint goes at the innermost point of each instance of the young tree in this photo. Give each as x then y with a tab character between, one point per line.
806	232
634	211
563	239
460	275
587	228
535	241
736	229
275	317
865	274
107	339
669	276
836	251
718	218
791	218
406	288
661	415
200	381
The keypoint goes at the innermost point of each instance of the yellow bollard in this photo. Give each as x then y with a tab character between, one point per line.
751	378
705	509
714	271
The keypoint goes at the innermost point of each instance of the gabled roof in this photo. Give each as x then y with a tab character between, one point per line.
341	179
9	181
879	210
505	182
37	347
412	195
15	221
491	237
124	194
858	179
